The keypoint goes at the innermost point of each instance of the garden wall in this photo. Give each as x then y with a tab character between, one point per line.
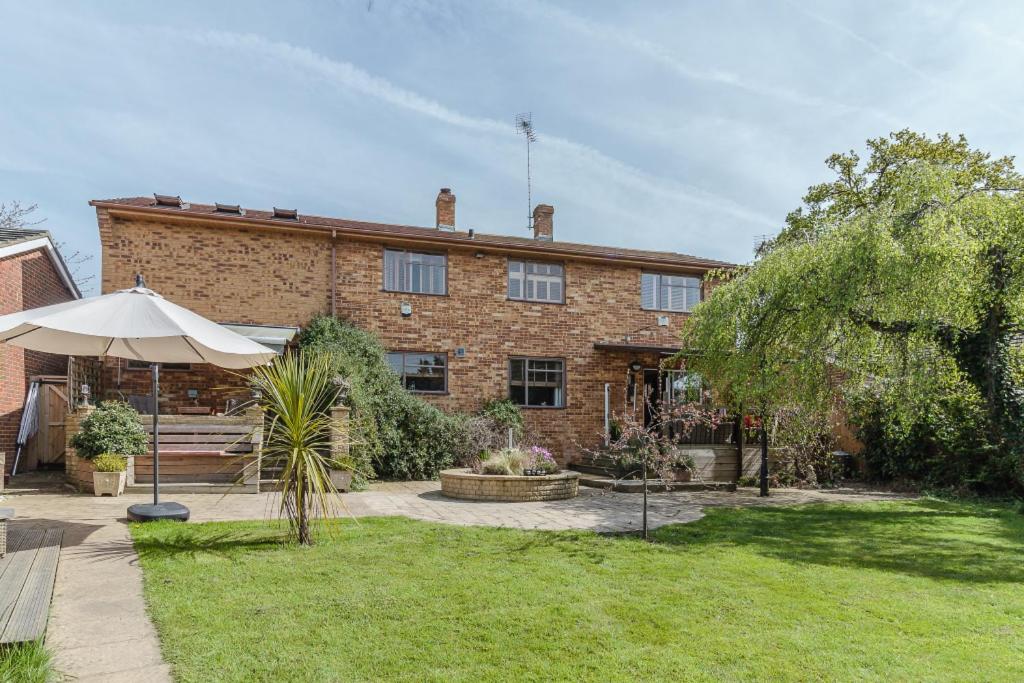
462	483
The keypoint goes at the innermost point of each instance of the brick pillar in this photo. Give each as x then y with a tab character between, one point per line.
342	479
339	437
254	415
78	470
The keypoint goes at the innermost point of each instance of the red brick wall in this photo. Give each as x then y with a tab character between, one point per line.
27	280
255	275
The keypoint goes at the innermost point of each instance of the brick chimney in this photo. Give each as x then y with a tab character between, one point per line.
445	209
543	229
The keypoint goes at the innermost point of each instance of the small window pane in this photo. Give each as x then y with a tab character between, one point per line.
648	300
395	361
516	369
515	287
542	396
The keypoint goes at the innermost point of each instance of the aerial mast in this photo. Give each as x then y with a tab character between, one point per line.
524	126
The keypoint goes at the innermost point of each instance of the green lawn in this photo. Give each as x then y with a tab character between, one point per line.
921	590
26	663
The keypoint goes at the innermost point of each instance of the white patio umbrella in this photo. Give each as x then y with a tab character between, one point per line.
138	324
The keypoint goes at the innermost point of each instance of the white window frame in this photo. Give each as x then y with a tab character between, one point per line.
670	292
529	282
408	267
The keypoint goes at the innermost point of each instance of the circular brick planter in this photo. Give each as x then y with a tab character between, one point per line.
498	487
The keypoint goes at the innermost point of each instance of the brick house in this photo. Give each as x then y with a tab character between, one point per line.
32	274
466	316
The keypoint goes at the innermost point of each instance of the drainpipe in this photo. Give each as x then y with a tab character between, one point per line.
607	419
334	274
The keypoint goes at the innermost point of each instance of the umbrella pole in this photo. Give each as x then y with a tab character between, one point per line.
155	368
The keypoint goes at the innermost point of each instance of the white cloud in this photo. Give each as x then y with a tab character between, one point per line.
584	157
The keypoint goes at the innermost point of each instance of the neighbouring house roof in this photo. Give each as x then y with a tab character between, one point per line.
21	240
406	233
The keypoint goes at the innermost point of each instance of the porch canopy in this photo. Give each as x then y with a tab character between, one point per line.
636	348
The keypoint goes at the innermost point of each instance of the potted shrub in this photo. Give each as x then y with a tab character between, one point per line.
109	477
113	428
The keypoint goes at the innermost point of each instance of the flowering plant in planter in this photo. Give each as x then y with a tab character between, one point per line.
539	461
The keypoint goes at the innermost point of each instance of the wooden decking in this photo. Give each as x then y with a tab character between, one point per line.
27	573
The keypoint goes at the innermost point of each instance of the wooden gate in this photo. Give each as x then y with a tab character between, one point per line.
46	447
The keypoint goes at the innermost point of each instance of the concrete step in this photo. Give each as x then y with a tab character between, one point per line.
192	487
596	470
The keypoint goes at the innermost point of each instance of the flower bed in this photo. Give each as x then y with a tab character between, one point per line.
467	485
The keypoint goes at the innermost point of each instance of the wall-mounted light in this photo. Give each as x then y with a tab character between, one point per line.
636	366
406	309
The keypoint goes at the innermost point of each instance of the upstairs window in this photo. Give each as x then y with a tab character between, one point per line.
537	382
669	292
410	271
529	281
421	372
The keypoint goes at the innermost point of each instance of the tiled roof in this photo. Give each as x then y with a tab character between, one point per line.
10	236
385	230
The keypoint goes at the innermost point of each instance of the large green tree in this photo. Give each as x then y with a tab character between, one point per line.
900	281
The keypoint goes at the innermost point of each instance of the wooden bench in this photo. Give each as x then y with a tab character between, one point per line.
27	573
201	450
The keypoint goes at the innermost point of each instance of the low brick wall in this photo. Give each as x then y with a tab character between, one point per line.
463	483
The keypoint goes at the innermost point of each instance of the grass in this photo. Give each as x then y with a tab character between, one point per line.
915	590
26	663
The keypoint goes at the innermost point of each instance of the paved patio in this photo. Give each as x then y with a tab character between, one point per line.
99	629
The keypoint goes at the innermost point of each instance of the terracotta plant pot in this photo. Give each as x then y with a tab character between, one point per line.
108	483
342	480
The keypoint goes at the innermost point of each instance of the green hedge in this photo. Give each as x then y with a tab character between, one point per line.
397	434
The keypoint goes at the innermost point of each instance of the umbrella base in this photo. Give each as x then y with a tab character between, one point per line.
148	512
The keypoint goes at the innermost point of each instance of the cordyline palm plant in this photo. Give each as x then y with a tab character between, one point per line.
297	391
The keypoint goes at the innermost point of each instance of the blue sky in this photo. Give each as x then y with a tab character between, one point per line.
686	126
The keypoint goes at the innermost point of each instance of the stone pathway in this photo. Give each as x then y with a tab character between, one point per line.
99	629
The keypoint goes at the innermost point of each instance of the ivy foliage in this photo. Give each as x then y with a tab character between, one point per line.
112	428
395	434
897	288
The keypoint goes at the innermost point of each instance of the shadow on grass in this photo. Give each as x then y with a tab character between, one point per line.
929	538
177	539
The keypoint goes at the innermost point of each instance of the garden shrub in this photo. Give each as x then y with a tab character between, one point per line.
944	446
507	462
112	428
395	434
